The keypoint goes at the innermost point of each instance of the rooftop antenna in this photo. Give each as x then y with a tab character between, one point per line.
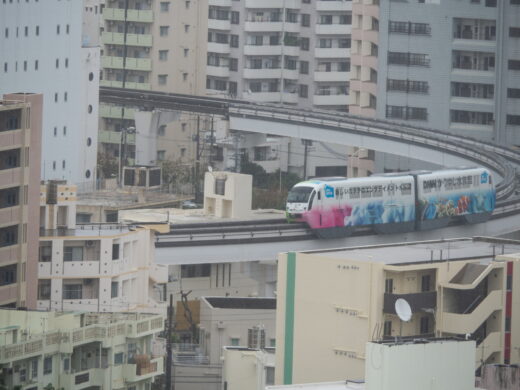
404	312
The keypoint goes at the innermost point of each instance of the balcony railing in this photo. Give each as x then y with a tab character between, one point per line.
418	301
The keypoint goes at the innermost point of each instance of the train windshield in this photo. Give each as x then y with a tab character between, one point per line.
299	195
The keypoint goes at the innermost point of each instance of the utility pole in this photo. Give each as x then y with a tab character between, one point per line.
197	162
306	144
169	357
211	143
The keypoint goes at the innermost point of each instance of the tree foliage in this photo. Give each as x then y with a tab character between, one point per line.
107	166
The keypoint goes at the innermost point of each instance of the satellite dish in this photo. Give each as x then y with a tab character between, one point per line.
210	168
403	310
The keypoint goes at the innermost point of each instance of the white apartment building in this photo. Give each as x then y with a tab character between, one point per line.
94	267
284	52
450	65
247	368
46	48
73	351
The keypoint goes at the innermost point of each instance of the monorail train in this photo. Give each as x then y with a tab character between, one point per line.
392	203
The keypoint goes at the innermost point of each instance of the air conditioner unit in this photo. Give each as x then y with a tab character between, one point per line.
89	243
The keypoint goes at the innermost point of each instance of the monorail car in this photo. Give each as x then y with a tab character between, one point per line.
392	203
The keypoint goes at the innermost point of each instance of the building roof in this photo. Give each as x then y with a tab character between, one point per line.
406	253
343	385
241	303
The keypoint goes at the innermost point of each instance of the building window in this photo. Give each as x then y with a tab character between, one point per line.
57	63
65	96
345	19
63	164
513	120
233	41
73	253
66	62
233	88
118	358
54	165
165	6
186	52
58	29
387	331
409	28
8	275
235	17
513	93
408	86
25	66
303	91
64	130
304	44
163	31
306	20
5	67
425	325
36	65
162	79
6	32
471	117
47	365
161	155
405	112
409	59
37	30
72	291
233	64
389	286
235	341
514	64
425	283
115	251
186	28
269	376
161	130
163	55
195	270
83	218
514	32
304	67
114	289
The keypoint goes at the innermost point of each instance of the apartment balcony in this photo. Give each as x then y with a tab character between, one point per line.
332	52
12	175
113	38
365	35
333	29
274	97
473	75
257	4
80	304
331	76
217	71
474	45
291	50
12	138
114	137
338	5
291	74
142	64
330	100
81	269
220	3
94	377
128	84
490	345
138	372
159	273
217	24
10	215
263	26
133	15
221	48
263	50
468	323
8	293
9	254
263	73
115	112
418	301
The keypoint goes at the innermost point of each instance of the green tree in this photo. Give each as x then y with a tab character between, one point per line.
175	173
107	166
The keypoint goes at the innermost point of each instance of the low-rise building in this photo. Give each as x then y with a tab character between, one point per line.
247	368
95	267
346	297
79	350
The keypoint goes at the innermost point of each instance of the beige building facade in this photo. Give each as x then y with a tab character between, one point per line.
247	368
94	267
79	351
153	45
345	297
20	155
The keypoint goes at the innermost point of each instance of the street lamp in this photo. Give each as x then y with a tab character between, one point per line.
122	150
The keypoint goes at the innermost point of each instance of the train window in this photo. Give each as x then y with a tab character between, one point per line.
310	200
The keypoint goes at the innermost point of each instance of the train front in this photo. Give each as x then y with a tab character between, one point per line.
298	201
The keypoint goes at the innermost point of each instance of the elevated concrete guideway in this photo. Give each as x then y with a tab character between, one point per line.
402	139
